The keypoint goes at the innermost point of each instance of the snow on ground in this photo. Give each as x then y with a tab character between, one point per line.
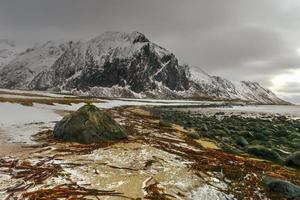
207	192
19	122
20	96
170	101
13	114
149	102
42	93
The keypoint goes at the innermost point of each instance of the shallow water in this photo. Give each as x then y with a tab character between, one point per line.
289	110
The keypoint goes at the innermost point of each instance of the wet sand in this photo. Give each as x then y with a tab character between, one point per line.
9	148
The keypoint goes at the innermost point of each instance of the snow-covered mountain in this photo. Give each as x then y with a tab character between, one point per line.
24	66
118	64
204	84
7	51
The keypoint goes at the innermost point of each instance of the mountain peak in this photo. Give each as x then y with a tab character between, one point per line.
116	36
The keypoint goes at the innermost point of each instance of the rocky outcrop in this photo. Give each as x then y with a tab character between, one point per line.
114	59
88	125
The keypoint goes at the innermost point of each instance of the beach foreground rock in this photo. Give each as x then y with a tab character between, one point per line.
284	188
88	125
294	159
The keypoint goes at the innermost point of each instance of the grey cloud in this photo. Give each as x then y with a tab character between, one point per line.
291	87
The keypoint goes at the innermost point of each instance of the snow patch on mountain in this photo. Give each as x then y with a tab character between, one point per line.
7	51
20	70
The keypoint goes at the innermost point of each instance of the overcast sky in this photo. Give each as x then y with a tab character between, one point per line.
256	40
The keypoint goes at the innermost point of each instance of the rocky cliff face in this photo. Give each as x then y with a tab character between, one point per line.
114	59
118	64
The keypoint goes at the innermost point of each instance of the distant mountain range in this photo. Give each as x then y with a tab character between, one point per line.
117	64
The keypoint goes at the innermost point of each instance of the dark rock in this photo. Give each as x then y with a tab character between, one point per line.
88	125
260	136
294	134
231	149
294	159
241	141
193	135
220	132
204	127
164	123
265	153
284	188
295	145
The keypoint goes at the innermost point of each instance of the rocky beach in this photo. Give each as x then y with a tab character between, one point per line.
169	152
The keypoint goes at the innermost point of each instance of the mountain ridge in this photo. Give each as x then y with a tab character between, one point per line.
120	64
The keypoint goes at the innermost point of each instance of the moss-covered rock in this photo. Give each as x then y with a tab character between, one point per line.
281	187
260	136
241	141
193	135
271	132
88	125
294	159
265	153
164	124
295	145
204	127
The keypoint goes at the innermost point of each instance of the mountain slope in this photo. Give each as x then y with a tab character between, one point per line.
118	64
25	65
221	88
114	59
7	52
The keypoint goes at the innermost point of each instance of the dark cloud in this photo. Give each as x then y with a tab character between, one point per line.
253	40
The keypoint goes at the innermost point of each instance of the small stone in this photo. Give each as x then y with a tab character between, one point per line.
164	123
241	141
193	135
204	127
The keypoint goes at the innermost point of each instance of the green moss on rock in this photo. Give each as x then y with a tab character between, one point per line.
265	153
241	141
281	187
193	135
294	159
88	125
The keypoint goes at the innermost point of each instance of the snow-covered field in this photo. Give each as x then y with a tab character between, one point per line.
18	122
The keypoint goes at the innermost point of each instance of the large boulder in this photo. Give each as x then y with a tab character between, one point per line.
294	159
88	125
281	187
265	153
